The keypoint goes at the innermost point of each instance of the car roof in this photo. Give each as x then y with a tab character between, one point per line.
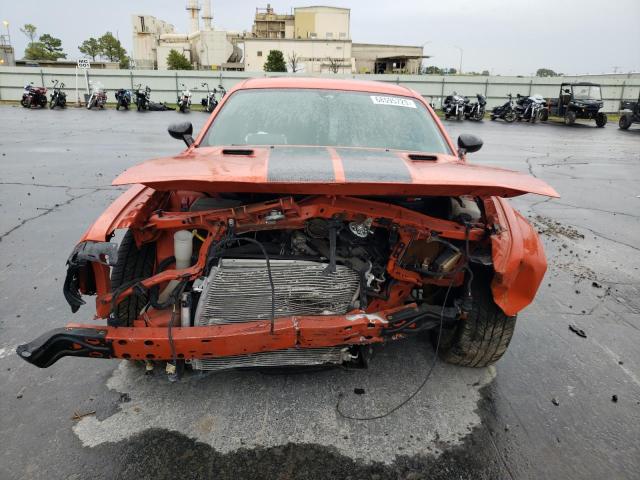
328	84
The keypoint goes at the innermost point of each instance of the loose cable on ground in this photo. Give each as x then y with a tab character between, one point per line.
424	382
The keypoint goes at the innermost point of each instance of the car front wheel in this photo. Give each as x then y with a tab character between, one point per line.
133	263
482	338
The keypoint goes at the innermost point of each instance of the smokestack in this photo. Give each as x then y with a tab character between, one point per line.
193	10
206	15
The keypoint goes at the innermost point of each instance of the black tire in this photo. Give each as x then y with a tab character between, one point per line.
481	339
570	117
510	116
625	122
132	263
544	115
51	104
601	119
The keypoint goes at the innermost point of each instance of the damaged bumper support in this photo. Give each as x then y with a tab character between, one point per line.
216	341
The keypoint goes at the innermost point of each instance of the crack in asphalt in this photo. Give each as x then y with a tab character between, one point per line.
47	211
594	209
528	160
44	185
619	242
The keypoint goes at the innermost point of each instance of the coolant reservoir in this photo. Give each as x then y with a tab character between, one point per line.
465	208
182	250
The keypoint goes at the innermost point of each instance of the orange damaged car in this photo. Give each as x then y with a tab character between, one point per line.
307	221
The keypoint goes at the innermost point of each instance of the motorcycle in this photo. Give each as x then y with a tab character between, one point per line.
530	109
33	96
454	106
98	96
184	100
475	110
123	98
58	97
143	97
506	112
211	102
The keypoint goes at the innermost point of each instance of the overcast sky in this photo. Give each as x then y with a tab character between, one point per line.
509	37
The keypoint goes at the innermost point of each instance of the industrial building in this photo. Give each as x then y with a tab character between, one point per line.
312	39
319	39
204	47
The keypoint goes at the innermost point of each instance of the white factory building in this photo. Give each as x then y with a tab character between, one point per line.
312	39
204	46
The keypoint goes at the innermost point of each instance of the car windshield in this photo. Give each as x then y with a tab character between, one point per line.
586	92
316	117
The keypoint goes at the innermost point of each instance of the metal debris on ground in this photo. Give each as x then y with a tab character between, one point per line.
77	415
20	392
358	391
555	401
614	398
578	331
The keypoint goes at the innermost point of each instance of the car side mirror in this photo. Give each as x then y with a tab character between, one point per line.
182	131
468	143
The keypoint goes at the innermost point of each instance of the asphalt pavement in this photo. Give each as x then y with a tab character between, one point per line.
557	405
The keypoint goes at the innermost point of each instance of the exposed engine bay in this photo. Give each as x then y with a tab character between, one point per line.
326	267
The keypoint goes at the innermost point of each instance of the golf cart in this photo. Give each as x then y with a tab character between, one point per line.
630	113
578	100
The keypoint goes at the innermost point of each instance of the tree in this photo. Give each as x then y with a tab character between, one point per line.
53	46
30	31
91	48
546	72
275	62
46	48
486	73
432	70
111	48
294	62
177	61
125	62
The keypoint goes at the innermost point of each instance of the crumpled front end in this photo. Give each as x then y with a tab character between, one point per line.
258	280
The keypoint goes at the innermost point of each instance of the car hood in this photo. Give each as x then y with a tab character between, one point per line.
327	170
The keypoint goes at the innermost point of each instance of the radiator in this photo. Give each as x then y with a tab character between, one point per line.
238	290
278	358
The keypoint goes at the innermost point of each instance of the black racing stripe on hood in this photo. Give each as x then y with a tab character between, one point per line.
300	164
373	166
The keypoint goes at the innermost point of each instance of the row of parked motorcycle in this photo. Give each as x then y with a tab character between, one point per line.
524	108
37	97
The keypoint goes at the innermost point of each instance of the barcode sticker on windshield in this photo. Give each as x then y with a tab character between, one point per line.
395	101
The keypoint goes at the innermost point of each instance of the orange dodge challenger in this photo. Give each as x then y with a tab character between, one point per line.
308	220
